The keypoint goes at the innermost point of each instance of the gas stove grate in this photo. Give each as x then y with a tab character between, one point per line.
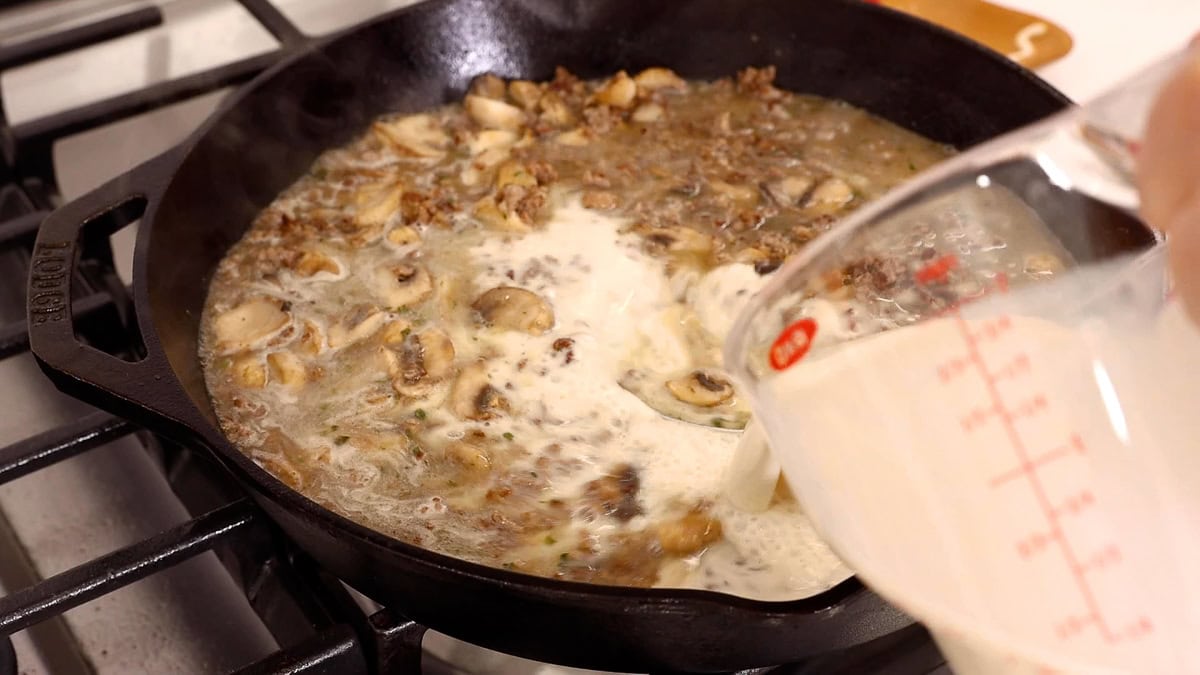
322	628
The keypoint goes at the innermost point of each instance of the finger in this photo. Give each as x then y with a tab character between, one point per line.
1169	158
1184	254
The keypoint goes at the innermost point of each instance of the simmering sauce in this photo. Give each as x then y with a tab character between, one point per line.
493	329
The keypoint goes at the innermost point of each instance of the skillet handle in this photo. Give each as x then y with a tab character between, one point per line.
112	383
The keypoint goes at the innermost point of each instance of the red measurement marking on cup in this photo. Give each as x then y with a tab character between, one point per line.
792	344
1051	538
1074	447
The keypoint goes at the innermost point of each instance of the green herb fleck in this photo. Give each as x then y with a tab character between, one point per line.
341	440
406	332
911	166
333	427
509	566
320	172
508	436
419	413
550	540
718	422
564	558
533	474
418	452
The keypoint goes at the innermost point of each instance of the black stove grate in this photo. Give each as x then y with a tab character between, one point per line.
321	627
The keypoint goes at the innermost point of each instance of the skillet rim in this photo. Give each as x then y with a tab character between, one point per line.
300	505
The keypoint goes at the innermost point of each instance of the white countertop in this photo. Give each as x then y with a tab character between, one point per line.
1113	38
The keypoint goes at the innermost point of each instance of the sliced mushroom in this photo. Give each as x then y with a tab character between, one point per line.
312	263
248	323
395	332
830	195
488	212
524	93
688	534
492	114
652	79
473	397
647	385
469	456
428	355
647	113
403	285
574	138
788	191
419	135
404	235
312	342
425	359
618	92
249	371
287	368
555	111
512	308
514	173
488	86
492	139
358	325
679	239
376	203
739	193
701	388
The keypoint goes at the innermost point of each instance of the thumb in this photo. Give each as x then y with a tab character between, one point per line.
1184	251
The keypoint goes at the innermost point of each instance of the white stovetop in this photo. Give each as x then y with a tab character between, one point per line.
1112	38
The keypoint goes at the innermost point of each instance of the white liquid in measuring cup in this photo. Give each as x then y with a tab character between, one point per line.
1012	481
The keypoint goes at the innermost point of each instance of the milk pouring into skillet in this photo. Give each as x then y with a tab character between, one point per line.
1032	482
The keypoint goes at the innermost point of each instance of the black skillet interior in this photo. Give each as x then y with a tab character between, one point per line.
263	138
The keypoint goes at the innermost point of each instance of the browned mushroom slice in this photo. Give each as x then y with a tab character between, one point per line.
469	456
248	323
311	263
473	397
830	195
404	235
689	534
653	79
512	308
701	388
426	358
492	114
695	403
249	371
375	204
403	285
418	135
358	325
488	85
525	93
615	494
618	92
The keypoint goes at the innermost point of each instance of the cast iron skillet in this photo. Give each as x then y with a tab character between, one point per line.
199	198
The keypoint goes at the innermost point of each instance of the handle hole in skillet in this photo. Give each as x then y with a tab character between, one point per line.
100	302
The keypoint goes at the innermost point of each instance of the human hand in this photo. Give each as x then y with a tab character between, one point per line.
1169	176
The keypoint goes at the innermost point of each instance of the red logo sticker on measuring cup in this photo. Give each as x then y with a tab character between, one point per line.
792	344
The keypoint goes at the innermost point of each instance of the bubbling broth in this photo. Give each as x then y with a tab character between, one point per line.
493	329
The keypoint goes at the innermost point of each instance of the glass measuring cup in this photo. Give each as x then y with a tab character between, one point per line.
979	389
